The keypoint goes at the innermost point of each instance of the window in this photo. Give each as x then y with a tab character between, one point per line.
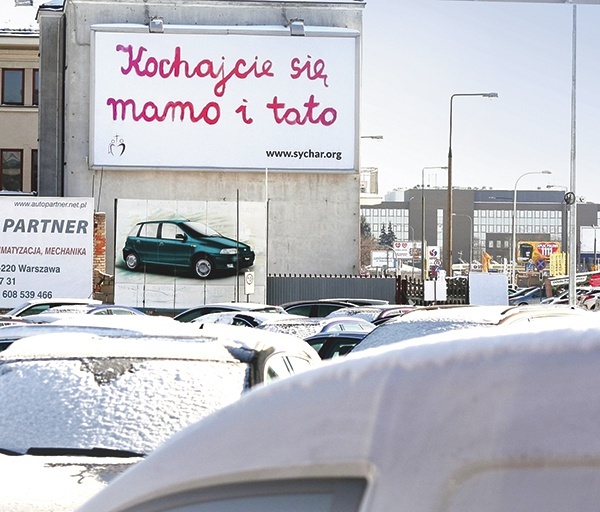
34	170
12	169
35	93
170	231
149	230
12	86
302	495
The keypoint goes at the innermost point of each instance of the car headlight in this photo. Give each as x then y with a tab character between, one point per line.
232	250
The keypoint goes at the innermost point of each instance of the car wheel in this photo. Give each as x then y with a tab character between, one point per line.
203	267
132	261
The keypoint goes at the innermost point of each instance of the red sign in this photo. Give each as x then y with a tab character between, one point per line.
595	280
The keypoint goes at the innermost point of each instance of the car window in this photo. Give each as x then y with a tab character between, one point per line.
276	366
303	310
325	309
149	230
301	495
170	231
298	364
202	229
34	310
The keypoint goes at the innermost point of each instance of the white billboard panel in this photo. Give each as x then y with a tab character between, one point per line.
46	248
224	98
165	272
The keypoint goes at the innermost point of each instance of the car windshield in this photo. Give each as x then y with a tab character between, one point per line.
202	229
116	403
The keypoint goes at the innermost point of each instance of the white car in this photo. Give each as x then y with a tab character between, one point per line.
490	419
37	306
78	408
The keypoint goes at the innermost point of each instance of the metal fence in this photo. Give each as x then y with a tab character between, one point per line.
286	288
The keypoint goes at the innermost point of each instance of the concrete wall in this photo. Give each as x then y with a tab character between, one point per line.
313	222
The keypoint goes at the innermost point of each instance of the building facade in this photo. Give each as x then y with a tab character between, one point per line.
19	96
312	219
482	220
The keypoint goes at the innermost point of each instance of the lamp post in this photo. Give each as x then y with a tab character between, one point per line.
423	273
514	223
564	221
470	238
448	230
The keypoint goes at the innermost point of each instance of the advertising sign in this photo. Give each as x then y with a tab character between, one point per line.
383	259
407	250
224	97
589	240
531	252
180	254
46	248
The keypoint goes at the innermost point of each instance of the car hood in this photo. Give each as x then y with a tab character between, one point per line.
226	243
55	484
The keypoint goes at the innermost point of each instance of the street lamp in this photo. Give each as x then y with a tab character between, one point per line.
470	238
514	223
448	230
564	226
423	274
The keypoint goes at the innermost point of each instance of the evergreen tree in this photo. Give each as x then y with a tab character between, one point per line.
383	236
391	236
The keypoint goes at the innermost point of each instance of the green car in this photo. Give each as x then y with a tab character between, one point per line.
187	245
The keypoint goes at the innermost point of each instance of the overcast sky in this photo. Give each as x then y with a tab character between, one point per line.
418	53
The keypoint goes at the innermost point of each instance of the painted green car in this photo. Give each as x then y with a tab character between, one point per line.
187	245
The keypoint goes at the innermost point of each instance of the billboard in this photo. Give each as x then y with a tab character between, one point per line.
224	98
46	248
180	254
534	251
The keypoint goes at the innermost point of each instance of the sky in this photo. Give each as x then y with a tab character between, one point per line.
418	53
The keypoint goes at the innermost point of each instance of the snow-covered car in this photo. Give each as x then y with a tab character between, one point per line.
221	307
431	320
36	306
79	408
376	313
296	325
60	312
490	419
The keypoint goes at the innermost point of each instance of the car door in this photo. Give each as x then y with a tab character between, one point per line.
174	248
145	243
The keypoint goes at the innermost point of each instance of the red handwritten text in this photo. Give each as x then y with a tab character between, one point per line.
292	115
314	70
149	66
243	111
149	111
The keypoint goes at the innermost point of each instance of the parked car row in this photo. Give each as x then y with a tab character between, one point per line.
87	397
503	415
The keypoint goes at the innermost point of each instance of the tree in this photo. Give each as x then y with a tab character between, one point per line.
387	237
383	236
368	243
391	236
365	228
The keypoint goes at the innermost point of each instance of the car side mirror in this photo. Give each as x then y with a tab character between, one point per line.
181	236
